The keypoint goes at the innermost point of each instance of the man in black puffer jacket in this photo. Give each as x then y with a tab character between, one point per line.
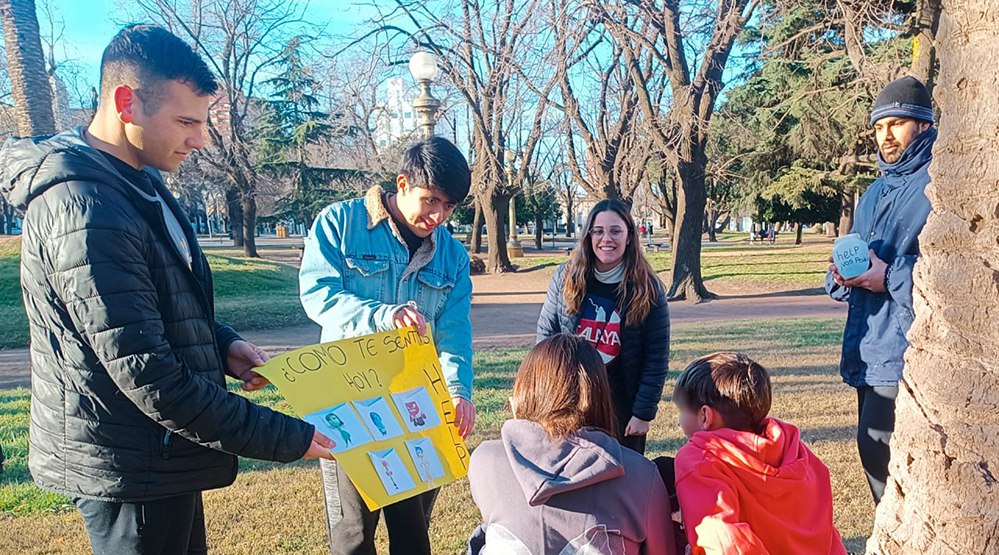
129	411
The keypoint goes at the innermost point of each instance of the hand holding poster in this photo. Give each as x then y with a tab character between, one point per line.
383	401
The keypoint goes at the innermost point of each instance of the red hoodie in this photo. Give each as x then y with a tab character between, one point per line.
742	493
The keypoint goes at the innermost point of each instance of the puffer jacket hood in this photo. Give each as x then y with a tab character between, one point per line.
545	468
30	166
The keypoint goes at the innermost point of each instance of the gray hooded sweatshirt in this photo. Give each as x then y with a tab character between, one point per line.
584	495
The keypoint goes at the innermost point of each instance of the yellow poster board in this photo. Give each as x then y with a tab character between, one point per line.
383	400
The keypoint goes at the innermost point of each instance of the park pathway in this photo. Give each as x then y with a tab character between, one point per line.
505	310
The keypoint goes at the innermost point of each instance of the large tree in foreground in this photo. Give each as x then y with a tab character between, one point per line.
943	494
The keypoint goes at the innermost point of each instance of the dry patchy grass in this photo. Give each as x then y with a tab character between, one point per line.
278	509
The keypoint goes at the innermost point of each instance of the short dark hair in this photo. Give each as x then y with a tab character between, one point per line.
435	163
732	384
562	385
146	56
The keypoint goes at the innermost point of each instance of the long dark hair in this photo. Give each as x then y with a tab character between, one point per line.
562	385
640	280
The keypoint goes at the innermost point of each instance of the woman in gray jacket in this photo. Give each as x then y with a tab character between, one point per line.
577	490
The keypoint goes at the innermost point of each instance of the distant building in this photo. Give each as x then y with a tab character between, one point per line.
396	120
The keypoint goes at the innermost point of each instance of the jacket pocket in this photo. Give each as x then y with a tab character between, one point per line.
366	275
433	292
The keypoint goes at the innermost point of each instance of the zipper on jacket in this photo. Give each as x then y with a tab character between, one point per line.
165	448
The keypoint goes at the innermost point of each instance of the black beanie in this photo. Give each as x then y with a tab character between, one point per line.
903	98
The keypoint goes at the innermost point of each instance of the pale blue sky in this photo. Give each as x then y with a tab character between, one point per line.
88	25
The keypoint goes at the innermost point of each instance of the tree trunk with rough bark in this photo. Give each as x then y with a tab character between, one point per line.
539	231
26	69
570	218
707	227
691	197
249	225
476	244
798	227
235	209
943	494
849	203
495	214
7	217
925	57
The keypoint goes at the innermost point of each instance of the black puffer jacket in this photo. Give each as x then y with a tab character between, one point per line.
128	398
644	348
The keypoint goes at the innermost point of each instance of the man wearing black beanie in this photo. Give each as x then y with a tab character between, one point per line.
889	217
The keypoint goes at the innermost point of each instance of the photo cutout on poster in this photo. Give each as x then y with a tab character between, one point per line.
379	418
425	459
393	473
417	409
341	425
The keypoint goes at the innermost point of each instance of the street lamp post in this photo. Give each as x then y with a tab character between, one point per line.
513	247
423	67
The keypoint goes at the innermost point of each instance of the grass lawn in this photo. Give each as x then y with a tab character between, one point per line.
770	267
14	331
278	509
249	294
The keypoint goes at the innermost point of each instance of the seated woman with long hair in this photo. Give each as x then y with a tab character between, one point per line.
558	481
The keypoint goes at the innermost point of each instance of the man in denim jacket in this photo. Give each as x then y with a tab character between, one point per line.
384	262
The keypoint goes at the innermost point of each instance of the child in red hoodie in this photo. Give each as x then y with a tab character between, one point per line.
746	482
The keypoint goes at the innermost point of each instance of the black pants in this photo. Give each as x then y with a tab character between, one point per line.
351	526
635	443
875	424
172	526
667	471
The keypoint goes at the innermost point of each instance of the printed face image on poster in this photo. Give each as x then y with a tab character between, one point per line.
392	471
379	418
417	409
340	424
428	464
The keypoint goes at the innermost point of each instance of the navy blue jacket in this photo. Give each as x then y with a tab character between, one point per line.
889	217
644	348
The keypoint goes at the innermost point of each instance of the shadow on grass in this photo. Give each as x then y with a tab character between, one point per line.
828	433
507	293
823	370
664	446
495	382
528	269
809	291
254	465
788	334
856	545
769	275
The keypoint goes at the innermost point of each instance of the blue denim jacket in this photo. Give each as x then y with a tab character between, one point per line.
356	272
